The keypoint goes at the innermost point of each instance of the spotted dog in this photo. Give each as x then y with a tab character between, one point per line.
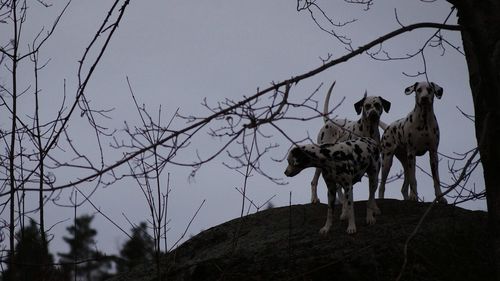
342	164
370	108
413	136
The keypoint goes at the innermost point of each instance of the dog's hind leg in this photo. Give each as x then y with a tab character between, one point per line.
371	207
314	187
386	167
340	195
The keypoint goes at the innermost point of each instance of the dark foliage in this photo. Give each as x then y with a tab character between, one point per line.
138	250
31	258
83	257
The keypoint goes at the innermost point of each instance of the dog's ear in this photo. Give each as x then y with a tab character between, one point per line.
438	91
299	155
385	104
358	106
411	89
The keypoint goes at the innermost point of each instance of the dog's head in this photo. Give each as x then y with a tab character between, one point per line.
372	107
298	159
425	92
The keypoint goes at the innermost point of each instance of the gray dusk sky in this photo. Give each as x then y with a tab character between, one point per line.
176	53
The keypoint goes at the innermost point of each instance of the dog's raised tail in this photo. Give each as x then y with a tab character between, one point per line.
327	101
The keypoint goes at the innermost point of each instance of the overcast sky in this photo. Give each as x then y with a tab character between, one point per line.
176	53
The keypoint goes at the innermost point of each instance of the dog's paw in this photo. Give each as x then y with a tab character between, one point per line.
315	200
351	229
324	230
413	197
370	220
372	206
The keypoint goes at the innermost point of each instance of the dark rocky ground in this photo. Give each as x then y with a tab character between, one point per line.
284	244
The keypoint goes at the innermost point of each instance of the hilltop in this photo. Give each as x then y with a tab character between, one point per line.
284	244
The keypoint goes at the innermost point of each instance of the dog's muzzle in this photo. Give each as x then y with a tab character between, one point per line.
374	115
425	100
290	171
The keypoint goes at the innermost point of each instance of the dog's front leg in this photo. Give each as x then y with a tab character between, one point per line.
314	187
411	175
351	224
433	159
332	186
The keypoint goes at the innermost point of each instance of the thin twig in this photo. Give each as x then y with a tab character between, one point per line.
187	227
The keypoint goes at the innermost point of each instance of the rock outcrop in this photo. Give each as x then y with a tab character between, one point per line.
284	244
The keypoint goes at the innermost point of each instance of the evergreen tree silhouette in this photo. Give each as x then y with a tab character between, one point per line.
137	250
83	256
31	257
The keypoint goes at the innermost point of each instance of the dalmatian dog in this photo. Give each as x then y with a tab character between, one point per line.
342	164
413	136
334	130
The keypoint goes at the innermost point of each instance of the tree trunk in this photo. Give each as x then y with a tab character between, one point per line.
480	21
